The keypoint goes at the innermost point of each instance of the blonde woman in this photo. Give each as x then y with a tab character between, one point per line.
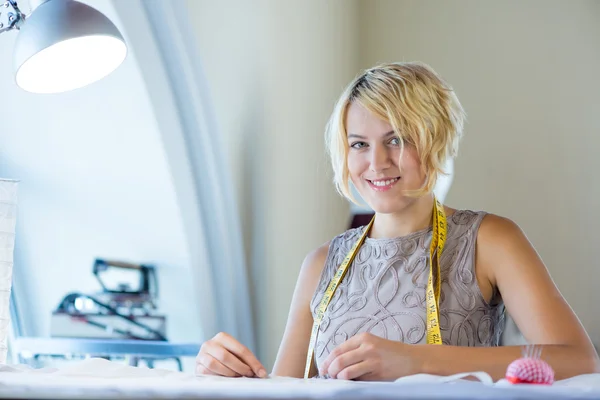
383	314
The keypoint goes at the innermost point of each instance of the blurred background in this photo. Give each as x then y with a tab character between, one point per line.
203	154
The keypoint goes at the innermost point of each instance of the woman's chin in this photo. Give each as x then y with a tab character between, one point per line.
388	206
384	208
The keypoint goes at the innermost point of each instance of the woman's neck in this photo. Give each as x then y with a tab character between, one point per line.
416	216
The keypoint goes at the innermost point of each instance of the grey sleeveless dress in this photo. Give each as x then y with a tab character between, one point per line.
383	291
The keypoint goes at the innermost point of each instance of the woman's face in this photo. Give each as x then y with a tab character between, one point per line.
374	162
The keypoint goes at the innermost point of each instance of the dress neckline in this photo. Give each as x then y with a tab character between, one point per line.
410	236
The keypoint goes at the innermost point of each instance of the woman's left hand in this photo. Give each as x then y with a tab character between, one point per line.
369	357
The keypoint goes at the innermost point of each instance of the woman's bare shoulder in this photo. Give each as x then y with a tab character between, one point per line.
315	260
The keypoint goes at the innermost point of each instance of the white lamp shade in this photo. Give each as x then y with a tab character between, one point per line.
65	45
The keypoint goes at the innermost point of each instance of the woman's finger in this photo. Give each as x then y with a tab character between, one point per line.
215	367
358	371
229	360
242	353
349	345
344	361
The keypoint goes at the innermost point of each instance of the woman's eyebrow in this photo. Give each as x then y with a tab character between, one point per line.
354	135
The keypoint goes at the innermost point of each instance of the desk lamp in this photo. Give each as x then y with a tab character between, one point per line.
62	44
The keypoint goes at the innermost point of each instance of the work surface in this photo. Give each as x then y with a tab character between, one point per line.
101	379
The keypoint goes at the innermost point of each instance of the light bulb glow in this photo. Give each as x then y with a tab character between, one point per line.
71	64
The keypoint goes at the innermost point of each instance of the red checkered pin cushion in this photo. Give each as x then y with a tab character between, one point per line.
531	368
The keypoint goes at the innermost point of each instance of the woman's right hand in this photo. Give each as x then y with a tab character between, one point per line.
225	356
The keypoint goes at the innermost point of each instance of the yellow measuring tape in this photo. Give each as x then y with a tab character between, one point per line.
438	239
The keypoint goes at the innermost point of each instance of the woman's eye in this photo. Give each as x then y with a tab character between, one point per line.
395	141
358	145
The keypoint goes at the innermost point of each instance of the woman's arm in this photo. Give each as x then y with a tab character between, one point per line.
225	356
505	256
504	259
291	357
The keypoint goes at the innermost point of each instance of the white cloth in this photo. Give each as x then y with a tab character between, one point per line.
102	379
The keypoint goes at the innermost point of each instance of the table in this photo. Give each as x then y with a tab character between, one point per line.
29	348
99	379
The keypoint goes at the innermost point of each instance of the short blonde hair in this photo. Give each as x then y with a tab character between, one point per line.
421	108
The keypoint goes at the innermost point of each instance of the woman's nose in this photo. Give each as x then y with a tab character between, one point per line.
380	159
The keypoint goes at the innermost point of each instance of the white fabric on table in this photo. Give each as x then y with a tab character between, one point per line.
102	379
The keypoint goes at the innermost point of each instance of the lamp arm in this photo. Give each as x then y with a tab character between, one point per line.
11	17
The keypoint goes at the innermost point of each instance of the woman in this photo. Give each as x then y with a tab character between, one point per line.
391	132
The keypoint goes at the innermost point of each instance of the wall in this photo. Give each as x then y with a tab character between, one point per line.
94	183
275	70
526	72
